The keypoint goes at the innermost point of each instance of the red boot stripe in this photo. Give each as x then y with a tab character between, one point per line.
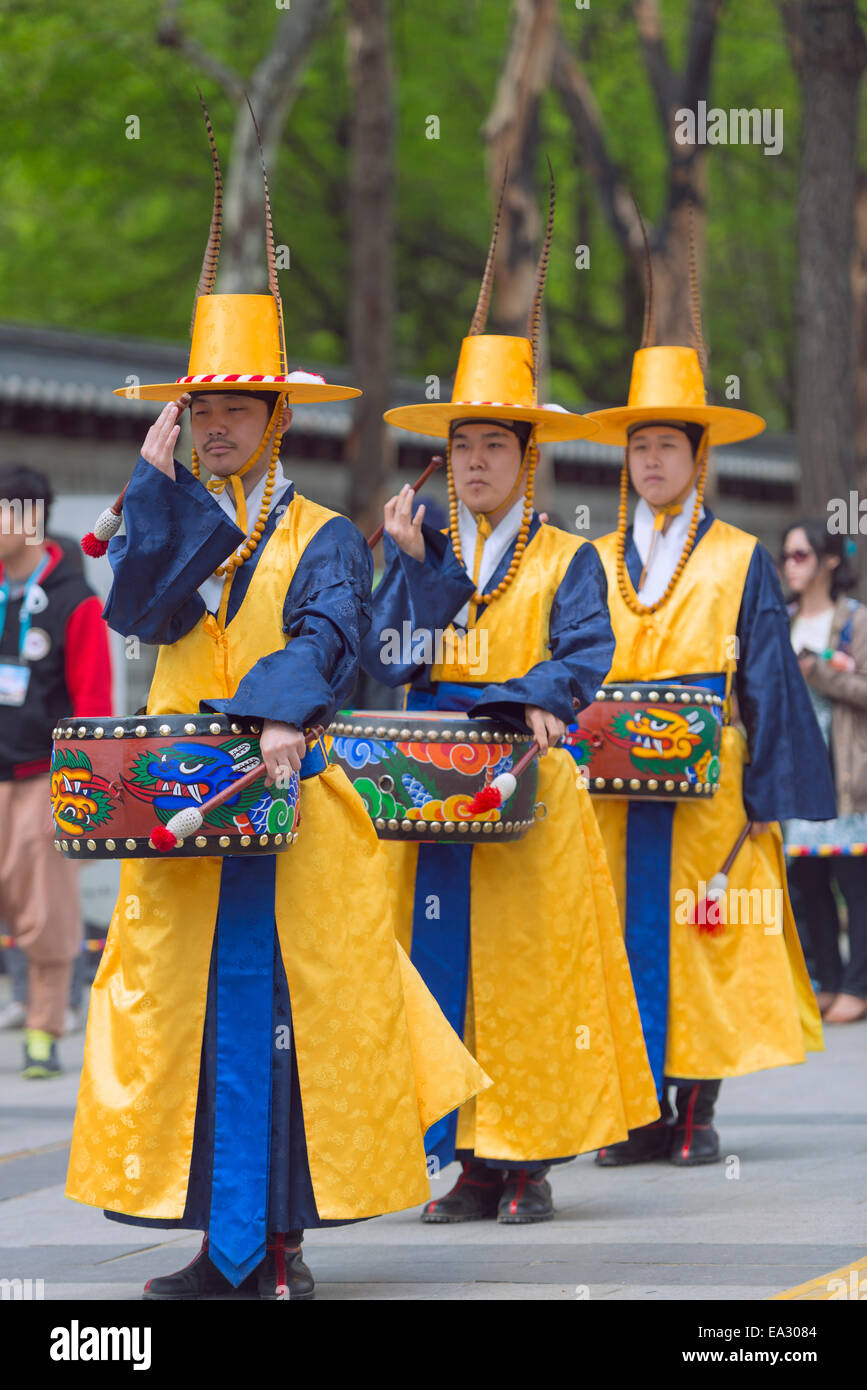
280	1263
690	1109
513	1205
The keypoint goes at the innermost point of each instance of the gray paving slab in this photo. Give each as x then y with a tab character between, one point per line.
786	1205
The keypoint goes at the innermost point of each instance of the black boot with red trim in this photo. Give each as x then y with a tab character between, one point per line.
526	1197
644	1144
474	1196
693	1138
199	1279
283	1273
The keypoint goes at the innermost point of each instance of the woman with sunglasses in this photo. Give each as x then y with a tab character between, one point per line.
829	635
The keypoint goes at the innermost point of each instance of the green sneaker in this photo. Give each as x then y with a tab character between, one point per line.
40	1055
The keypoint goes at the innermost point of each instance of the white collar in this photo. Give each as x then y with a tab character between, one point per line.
668	548
495	545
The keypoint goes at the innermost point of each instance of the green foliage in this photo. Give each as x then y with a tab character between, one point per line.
99	232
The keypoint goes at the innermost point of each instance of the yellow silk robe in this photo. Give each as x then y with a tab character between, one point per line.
377	1061
551	1013
739	1001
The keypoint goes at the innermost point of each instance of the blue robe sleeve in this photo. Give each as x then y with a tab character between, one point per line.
789	772
582	649
176	536
326	613
424	594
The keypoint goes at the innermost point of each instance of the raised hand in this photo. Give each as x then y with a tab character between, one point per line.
402	526
161	438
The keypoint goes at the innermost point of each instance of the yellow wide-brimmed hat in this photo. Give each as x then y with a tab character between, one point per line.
237	347
667	385
497	375
238	339
494	381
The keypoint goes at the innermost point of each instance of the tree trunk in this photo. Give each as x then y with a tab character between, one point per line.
512	136
828	51
272	89
371	303
859	295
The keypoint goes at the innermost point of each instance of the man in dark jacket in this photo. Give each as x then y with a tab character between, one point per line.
54	661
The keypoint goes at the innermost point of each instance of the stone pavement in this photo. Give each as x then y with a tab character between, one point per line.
787	1206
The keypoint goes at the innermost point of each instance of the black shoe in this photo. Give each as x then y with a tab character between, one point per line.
693	1138
644	1144
283	1273
526	1198
199	1279
474	1196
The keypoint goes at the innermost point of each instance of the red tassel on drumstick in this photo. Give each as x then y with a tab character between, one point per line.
492	797
191	819
707	915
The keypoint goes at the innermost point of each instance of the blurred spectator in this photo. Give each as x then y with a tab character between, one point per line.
829	636
54	661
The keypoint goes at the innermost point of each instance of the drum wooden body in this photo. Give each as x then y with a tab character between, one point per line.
649	740
113	780
418	770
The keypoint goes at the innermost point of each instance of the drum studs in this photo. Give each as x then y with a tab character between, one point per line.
165	730
235	728
685	697
391	733
669	785
64	844
463	828
392	825
683	786
652	784
434	734
487	828
450	827
634	784
76	844
189	728
498	827
475	827
699	698
541	810
635	694
508	827
379	823
57	844
404	733
418	733
653	694
201	841
81	731
215	728
91	844
421	825
617	784
460	735
254	728
140	730
368	730
486	737
601	695
599	782
263	839
99	732
111	846
670	696
617	694
278	839
245	840
436	827
224	842
473	736
130	844
386	783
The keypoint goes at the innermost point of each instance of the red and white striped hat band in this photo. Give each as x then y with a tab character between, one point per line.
237	376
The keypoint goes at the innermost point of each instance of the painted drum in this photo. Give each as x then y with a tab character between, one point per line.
648	740
418	770
114	780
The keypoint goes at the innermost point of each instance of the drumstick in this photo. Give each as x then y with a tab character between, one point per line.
502	787
434	464
706	915
107	524
191	818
